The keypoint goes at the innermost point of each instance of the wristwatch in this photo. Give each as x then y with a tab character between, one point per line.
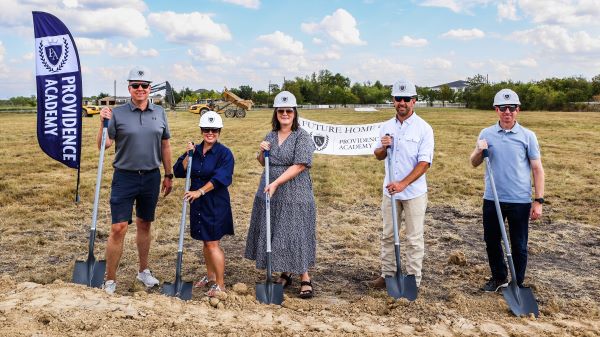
540	200
170	175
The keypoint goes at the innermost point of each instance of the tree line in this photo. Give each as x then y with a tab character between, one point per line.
325	87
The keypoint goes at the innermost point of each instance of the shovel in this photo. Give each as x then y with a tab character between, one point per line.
91	272
181	289
398	285
520	300
269	292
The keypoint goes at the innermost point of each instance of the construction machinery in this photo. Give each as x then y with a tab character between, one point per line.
169	95
233	106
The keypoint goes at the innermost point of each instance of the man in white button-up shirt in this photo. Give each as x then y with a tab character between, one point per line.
411	139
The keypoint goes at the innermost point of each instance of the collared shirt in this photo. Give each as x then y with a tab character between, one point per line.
413	143
510	153
212	210
138	136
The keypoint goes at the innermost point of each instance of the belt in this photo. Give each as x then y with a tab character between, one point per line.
139	172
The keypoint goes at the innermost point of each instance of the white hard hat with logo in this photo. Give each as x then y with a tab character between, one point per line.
285	99
506	96
404	88
139	73
211	119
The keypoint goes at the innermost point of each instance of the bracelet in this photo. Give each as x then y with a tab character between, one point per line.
202	192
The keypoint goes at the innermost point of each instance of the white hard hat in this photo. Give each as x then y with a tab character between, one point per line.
404	88
285	99
139	73
506	96
211	119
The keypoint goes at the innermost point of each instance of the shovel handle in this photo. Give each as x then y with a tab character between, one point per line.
105	123
486	153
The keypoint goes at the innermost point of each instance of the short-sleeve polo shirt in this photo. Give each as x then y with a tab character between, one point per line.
138	136
510	152
413	143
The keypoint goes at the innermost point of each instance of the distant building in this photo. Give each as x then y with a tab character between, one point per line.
110	100
456	86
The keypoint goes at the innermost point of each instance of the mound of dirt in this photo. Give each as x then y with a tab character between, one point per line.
62	309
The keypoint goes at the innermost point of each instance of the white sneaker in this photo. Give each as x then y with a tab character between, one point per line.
109	286
147	279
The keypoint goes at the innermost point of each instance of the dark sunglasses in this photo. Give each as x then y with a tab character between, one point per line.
138	85
510	108
209	130
288	111
404	99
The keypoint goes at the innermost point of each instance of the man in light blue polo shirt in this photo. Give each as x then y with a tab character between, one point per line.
514	155
411	139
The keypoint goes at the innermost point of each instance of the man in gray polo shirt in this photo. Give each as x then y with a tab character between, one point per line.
514	154
141	135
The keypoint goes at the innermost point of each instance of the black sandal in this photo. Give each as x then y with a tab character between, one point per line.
287	279
306	293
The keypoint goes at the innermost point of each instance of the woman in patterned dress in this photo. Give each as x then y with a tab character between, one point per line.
293	212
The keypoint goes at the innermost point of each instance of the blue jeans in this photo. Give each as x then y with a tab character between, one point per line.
517	215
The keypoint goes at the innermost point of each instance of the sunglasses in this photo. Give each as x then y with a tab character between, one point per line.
282	111
510	108
138	85
209	130
404	99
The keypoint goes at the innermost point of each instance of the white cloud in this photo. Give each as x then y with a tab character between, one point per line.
372	68
28	56
253	4
316	40
339	26
121	50
529	62
507	10
408	41
438	63
3	67
562	12
138	5
457	6
333	53
183	72
149	52
558	39
189	28
108	22
279	42
87	46
464	34
209	53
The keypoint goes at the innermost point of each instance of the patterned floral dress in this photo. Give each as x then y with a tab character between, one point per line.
293	212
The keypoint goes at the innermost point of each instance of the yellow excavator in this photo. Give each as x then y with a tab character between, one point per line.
233	106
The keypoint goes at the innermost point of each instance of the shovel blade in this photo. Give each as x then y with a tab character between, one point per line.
401	286
269	293
521	301
90	272
183	290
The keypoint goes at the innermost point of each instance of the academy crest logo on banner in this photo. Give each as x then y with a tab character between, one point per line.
342	140
59	92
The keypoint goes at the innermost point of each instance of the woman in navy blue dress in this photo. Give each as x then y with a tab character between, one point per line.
210	206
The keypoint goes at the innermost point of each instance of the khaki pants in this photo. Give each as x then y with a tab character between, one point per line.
413	212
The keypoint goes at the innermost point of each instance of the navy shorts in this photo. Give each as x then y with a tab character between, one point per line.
142	187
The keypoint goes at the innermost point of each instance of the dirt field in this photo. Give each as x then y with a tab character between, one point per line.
42	233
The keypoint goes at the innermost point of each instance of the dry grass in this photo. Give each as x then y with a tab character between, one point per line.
38	213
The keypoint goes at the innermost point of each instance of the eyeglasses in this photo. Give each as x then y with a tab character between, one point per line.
405	99
282	111
209	130
138	85
510	108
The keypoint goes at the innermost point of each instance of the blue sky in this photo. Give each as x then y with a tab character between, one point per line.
216	43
